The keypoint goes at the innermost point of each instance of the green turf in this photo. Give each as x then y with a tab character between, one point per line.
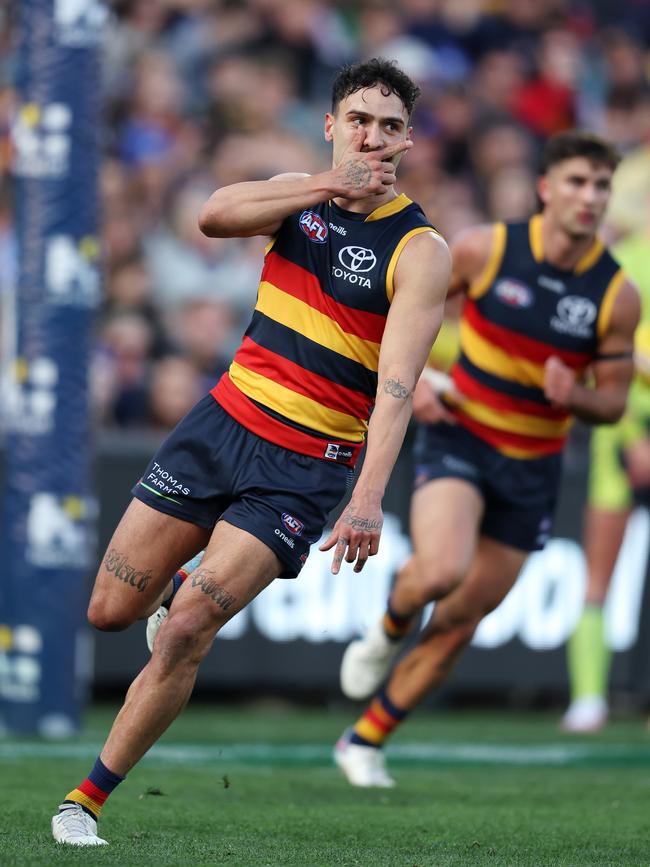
254	786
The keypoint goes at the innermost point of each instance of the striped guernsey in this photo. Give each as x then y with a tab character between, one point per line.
518	313
305	375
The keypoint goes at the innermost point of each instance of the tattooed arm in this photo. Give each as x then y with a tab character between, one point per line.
421	280
259	207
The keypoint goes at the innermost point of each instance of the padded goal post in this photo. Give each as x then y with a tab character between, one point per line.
49	512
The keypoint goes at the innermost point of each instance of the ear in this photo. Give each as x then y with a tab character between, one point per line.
542	188
329	123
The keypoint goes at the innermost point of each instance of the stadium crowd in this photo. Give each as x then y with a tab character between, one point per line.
200	93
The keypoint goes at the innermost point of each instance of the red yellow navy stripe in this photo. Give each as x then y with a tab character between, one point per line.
282	370
471	388
319	327
519	344
302	284
269	428
305	411
511	444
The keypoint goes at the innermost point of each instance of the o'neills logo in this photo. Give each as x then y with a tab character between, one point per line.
337	452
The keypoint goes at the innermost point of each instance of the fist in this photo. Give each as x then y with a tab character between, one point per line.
559	382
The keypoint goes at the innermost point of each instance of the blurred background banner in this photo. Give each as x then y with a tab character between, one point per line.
49	511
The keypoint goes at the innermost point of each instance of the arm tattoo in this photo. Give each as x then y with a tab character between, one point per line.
204	580
395	388
116	563
357	174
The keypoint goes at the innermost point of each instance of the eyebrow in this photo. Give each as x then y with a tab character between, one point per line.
359	113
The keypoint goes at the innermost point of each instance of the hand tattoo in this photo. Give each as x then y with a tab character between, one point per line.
357	174
204	580
395	388
116	563
362	523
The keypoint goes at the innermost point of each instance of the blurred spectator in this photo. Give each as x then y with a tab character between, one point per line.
175	388
200	93
184	264
205	334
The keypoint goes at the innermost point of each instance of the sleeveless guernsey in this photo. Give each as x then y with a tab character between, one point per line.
305	375
518	313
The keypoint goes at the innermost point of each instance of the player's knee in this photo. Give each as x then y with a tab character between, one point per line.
182	642
108	618
440	580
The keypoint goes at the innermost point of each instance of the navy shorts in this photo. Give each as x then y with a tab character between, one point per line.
520	495
211	468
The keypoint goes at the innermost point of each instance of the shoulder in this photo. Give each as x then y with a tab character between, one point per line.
626	307
424	265
474	246
425	247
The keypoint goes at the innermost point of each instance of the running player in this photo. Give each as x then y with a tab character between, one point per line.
545	304
619	478
350	299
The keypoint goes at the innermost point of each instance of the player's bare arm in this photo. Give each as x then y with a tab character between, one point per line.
612	371
259	207
421	280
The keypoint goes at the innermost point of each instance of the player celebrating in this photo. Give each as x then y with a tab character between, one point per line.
545	303
350	299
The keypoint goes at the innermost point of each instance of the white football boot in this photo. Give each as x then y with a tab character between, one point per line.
585	715
72	825
362	766
156	620
367	661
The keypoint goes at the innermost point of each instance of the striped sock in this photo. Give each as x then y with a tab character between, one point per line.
381	718
180	576
94	790
396	626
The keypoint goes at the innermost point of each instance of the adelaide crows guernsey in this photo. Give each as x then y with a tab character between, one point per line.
305	375
518	313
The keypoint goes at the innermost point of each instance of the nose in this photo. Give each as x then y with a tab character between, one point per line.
374	138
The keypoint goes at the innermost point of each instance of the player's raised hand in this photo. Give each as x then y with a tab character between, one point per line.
559	381
356	536
366	173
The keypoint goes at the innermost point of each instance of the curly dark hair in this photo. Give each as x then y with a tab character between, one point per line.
369	73
578	143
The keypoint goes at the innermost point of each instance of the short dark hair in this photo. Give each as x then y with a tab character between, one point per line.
577	143
370	73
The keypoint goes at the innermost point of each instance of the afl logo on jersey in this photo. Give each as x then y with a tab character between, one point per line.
513	293
313	227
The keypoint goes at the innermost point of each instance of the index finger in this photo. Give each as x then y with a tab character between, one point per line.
391	150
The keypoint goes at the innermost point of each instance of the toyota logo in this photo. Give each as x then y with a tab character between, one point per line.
577	310
357	259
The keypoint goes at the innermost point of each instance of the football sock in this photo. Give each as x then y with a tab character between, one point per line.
396	626
94	790
177	583
180	576
379	721
588	655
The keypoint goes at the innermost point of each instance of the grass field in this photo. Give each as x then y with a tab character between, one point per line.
256	786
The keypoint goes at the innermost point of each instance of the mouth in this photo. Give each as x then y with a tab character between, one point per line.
586	218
